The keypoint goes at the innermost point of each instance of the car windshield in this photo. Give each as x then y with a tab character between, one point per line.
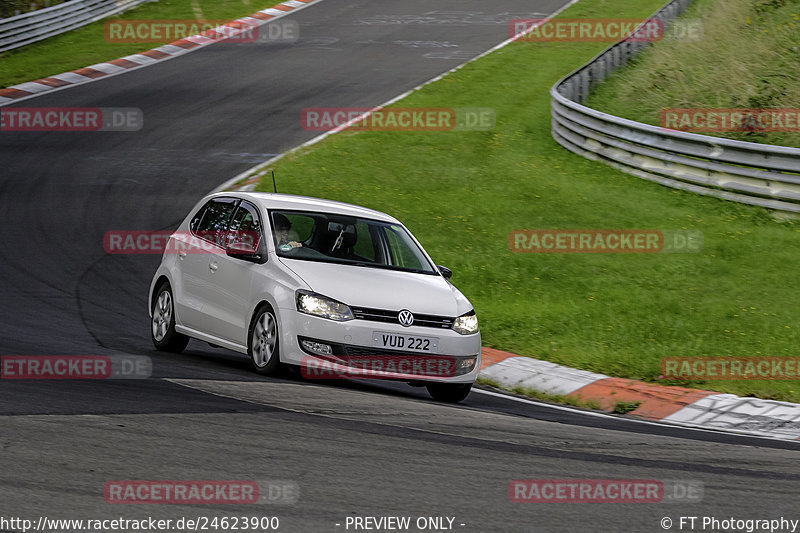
334	238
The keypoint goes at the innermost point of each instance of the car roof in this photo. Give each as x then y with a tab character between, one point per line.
293	202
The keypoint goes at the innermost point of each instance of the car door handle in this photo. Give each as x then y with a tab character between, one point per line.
181	254
213	266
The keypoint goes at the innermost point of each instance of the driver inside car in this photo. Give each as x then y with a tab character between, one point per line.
283	232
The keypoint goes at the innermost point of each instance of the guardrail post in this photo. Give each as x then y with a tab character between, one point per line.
602	69
583	91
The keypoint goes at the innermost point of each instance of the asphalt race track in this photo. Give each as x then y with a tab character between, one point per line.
352	449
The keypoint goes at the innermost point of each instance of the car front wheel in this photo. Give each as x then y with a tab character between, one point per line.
162	325
449	392
263	342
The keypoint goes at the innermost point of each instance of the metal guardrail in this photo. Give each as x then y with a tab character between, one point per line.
745	172
37	25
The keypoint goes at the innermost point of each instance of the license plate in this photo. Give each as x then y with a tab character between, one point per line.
406	343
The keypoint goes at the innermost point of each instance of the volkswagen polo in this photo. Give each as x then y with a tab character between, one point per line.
335	289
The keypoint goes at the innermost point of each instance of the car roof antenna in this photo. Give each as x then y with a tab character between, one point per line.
274	187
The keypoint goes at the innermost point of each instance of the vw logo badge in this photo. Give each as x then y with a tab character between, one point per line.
405	317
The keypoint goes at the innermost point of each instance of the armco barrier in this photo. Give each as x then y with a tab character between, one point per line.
750	173
43	23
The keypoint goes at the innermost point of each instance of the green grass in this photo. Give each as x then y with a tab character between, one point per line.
461	193
748	58
88	45
622	408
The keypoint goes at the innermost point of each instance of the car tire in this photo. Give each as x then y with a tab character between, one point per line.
449	392
162	323
263	344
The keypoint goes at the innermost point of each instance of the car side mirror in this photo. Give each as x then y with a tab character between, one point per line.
446	272
244	251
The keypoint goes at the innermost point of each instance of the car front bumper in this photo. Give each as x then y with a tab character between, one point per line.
351	352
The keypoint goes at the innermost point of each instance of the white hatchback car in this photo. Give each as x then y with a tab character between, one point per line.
336	289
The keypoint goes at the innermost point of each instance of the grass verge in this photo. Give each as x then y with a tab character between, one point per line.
461	193
748	58
88	45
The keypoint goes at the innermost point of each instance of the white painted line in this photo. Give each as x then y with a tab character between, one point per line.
31	87
293	3
108	68
171	49
71	77
4	100
199	39
140	59
273	11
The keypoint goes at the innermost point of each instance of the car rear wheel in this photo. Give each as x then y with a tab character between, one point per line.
162	325
449	392
263	344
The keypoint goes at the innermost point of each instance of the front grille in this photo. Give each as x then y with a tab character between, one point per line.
351	350
352	353
382	315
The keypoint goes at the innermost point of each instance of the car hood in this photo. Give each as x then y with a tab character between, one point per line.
379	288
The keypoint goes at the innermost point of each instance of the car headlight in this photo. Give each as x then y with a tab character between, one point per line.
315	304
466	324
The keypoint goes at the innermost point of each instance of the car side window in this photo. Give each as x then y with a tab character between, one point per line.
245	231
211	222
